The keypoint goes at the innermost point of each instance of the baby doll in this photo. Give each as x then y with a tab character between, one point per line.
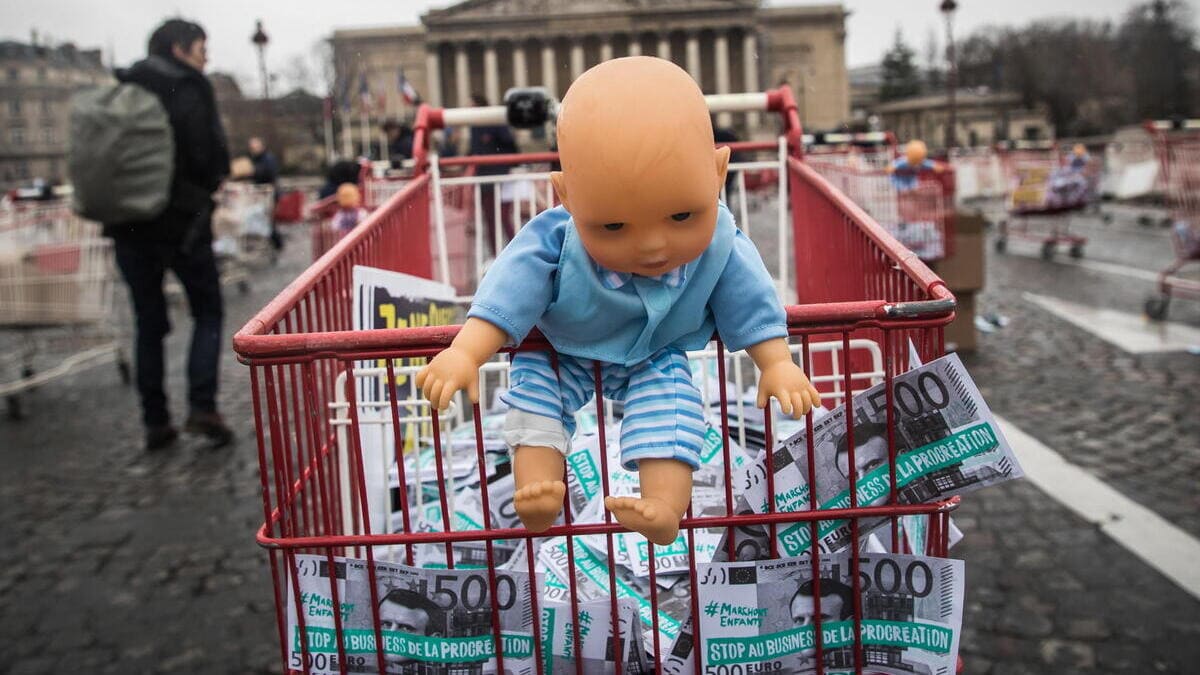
1079	157
639	264
350	211
906	170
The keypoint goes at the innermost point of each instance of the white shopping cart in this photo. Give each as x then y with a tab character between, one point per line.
56	298
242	226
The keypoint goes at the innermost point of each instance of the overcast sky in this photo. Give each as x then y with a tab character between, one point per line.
295	26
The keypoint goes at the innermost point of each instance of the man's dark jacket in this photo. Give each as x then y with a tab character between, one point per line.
201	152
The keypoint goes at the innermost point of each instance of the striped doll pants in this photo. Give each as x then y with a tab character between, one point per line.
663	412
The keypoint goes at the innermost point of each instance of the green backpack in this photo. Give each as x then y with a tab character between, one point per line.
121	155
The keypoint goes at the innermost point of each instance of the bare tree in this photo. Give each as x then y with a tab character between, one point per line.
935	61
311	71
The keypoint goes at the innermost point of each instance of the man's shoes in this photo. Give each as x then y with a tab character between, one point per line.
160	437
211	425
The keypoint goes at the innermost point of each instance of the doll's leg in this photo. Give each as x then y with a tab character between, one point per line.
661	437
538	478
538	428
666	492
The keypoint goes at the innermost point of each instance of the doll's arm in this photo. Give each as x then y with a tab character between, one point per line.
782	378
457	366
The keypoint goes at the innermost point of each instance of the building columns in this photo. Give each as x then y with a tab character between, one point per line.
462	77
750	72
520	73
433	77
635	44
664	46
693	57
721	67
491	74
606	49
576	60
549	74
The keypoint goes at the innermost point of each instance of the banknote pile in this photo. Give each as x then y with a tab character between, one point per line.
754	594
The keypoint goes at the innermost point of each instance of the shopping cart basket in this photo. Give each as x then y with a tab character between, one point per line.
1181	170
56	298
1043	195
920	218
979	174
242	231
868	304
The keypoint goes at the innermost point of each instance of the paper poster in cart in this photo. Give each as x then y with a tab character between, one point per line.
947	443
432	621
385	299
760	616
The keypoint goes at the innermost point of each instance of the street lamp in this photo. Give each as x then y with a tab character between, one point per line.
947	8
260	40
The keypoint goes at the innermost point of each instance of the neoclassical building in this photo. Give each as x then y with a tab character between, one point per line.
487	46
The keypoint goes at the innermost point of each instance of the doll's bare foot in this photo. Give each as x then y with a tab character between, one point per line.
539	504
653	518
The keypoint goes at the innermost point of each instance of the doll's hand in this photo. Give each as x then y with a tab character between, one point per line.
939	167
448	373
789	385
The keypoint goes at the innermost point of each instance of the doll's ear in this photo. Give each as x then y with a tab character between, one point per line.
560	188
722	157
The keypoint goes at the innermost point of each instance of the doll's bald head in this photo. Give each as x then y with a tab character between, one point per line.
636	145
632	113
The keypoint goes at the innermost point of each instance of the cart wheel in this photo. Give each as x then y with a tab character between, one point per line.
124	369
1077	251
1048	251
243	287
15	410
1001	244
1156	307
1144	220
1166	222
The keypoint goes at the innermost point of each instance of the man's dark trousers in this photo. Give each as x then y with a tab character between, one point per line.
143	264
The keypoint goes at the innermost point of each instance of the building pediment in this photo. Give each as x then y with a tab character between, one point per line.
471	11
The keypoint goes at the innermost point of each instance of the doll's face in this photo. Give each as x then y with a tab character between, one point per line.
915	152
640	176
649	223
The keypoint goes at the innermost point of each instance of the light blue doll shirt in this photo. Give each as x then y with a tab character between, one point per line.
545	278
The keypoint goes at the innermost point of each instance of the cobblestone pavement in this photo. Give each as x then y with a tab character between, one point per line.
118	561
1048	592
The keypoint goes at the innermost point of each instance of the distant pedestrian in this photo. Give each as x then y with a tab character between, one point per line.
180	237
266	172
338	173
399	142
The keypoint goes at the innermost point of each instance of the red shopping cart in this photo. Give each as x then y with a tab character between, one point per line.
921	218
868	303
1179	155
1043	193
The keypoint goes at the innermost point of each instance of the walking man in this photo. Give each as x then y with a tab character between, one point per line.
179	238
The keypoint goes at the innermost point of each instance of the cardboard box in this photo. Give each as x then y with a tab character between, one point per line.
961	335
963	270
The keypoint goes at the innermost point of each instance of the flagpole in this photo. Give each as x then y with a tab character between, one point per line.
328	129
347	129
364	118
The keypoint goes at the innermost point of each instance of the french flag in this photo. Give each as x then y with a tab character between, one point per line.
408	91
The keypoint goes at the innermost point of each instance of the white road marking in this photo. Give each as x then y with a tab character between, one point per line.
1131	332
1143	532
1096	266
